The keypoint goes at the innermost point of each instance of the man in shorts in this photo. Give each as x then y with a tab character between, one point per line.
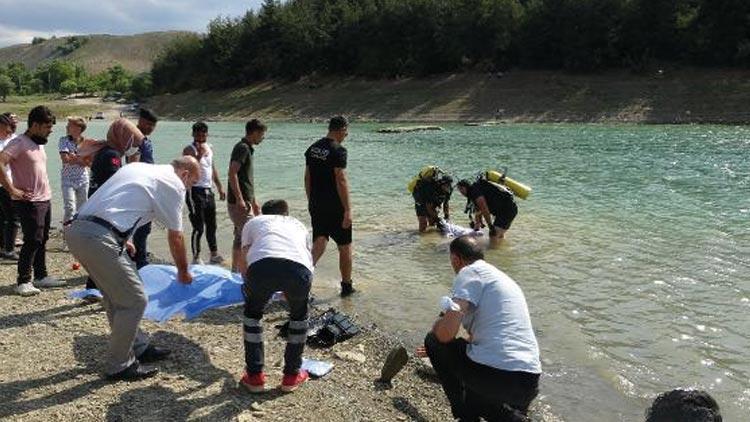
327	190
429	195
490	200
241	202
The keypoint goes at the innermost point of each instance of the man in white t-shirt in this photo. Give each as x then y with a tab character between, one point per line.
276	254
200	201
495	373
100	234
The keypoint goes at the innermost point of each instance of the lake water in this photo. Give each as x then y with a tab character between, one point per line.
633	251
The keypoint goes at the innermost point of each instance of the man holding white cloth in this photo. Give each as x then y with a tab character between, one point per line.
100	235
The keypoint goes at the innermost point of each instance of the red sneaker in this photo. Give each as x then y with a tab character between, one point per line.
292	382
254	383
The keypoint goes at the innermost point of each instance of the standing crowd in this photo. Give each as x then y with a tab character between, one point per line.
482	346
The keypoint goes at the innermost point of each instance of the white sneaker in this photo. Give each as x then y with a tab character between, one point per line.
27	289
218	259
49	282
197	261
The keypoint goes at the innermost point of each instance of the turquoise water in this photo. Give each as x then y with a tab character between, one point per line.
633	250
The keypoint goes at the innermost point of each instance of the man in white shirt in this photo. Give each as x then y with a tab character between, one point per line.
277	257
201	202
495	373
134	196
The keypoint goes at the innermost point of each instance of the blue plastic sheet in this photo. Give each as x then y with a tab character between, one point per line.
212	287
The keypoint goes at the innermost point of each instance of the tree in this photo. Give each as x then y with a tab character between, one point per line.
54	73
142	86
68	87
6	86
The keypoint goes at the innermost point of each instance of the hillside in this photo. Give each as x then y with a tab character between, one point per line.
688	95
135	53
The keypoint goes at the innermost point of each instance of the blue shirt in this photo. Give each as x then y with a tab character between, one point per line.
498	320
146	150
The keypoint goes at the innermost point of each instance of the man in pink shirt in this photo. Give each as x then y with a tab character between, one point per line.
31	196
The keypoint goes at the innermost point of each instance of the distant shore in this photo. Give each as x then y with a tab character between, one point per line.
676	96
662	96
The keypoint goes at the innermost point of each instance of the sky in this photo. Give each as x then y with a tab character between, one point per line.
22	20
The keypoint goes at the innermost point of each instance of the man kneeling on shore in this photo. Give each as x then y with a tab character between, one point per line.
99	235
277	258
494	374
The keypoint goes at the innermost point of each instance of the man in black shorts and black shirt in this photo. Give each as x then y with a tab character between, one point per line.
327	192
428	196
490	199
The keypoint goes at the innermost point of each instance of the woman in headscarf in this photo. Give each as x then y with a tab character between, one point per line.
106	157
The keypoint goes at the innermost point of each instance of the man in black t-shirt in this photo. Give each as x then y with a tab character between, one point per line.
327	190
428	195
490	199
241	202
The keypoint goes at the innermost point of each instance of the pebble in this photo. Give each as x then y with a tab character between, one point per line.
351	356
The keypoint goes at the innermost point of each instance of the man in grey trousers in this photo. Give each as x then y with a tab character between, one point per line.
99	237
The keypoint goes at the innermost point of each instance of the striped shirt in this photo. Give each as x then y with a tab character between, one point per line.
72	175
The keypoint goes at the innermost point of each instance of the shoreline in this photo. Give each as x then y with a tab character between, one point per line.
666	96
200	380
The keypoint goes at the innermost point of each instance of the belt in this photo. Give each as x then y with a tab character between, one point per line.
201	188
122	236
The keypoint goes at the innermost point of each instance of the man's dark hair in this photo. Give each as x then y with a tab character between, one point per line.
254	125
446	179
337	123
200	127
275	207
466	248
147	114
41	114
684	406
463	183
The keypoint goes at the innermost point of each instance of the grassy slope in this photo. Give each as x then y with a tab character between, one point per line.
134	52
61	107
676	96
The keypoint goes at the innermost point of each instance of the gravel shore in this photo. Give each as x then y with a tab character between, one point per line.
52	348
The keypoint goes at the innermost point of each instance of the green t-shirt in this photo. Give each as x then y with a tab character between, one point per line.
243	154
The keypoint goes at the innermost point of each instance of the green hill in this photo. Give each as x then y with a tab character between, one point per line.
95	52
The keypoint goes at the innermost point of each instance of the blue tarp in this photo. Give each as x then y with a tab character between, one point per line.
212	287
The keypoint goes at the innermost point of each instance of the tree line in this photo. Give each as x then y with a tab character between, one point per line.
65	77
393	38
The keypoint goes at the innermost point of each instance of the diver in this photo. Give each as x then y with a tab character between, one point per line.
486	200
430	193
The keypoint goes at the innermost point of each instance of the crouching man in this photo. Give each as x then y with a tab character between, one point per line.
99	237
276	255
495	373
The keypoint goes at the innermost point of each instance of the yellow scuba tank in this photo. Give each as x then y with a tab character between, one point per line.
519	189
428	172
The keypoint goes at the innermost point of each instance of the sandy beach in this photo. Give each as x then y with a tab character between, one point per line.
51	363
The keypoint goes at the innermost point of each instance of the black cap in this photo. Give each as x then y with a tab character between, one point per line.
147	114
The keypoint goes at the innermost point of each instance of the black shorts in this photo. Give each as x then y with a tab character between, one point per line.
504	215
327	223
